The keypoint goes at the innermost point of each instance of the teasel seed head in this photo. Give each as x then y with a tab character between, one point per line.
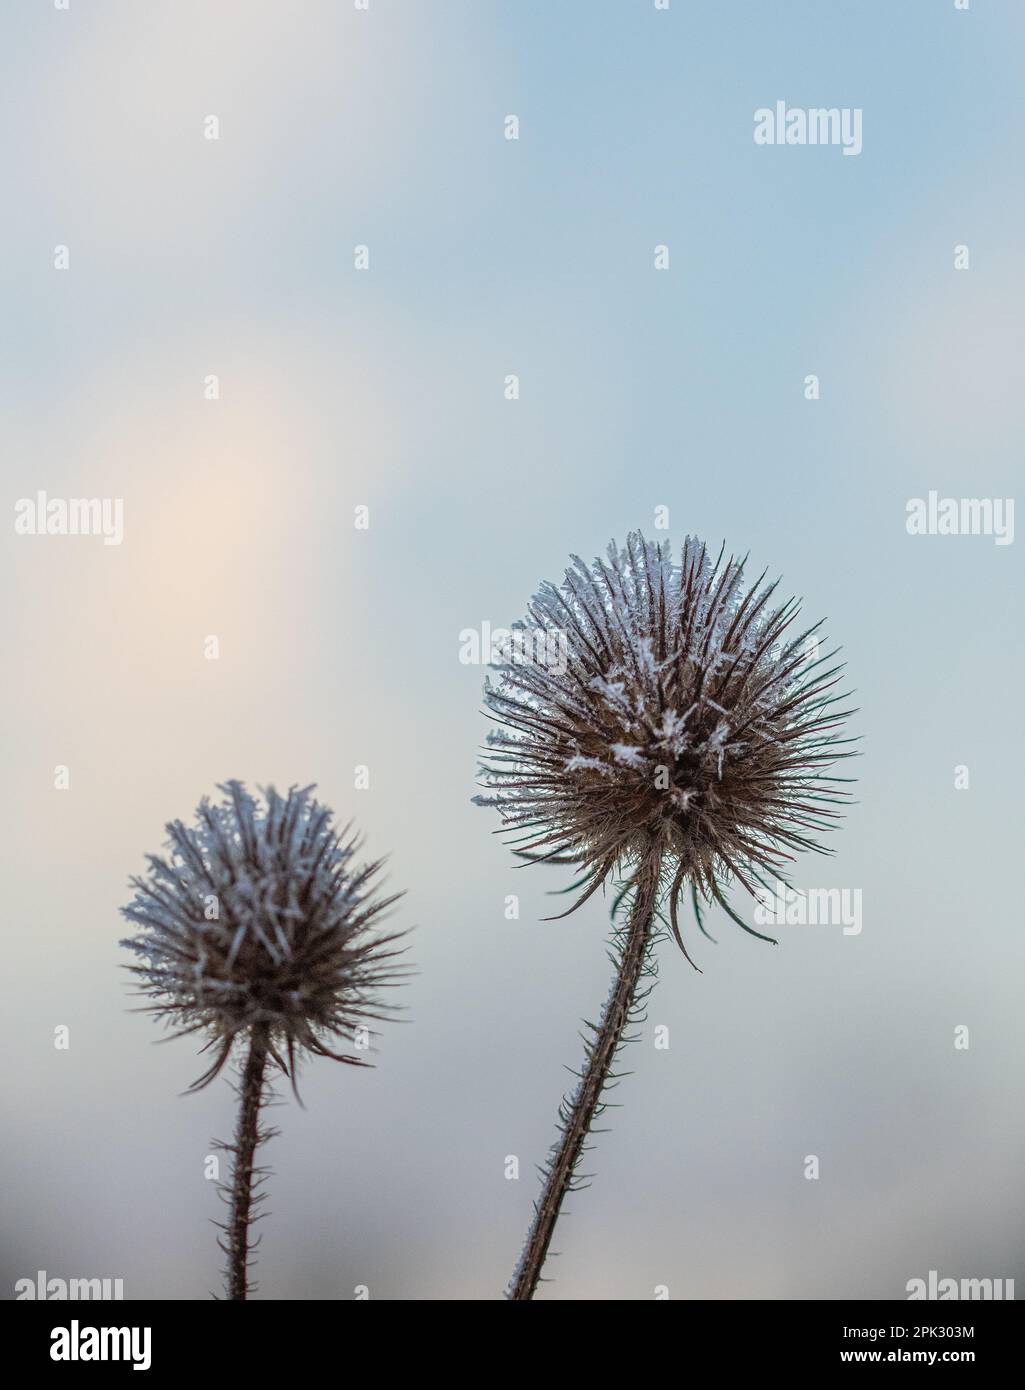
684	723
261	920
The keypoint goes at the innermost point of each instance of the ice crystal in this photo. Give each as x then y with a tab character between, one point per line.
260	919
687	724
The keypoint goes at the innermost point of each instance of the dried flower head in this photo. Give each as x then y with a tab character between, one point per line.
684	726
260	922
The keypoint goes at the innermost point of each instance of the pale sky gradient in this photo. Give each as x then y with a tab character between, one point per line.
639	388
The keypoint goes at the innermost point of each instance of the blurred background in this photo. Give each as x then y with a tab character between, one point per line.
639	388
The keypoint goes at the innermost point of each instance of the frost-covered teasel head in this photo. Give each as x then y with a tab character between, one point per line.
689	724
260	920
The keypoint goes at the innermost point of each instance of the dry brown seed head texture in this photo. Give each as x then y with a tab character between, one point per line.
692	721
261	918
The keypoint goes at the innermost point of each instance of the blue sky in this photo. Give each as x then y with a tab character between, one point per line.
638	389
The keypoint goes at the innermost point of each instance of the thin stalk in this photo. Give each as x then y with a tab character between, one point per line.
578	1113
248	1135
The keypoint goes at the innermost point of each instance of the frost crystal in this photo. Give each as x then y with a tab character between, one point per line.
686	722
260	918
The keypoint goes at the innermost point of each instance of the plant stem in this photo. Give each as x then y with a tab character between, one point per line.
247	1137
579	1113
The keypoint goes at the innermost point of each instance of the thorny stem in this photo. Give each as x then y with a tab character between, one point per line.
586	1102
247	1136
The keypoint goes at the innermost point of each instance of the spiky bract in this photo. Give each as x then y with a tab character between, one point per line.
684	722
260	922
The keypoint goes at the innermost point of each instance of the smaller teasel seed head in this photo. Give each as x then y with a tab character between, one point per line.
261	919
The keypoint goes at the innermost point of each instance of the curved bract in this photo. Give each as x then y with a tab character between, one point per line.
686	720
261	919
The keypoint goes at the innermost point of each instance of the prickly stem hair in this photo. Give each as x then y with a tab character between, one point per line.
578	1111
260	934
672	730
